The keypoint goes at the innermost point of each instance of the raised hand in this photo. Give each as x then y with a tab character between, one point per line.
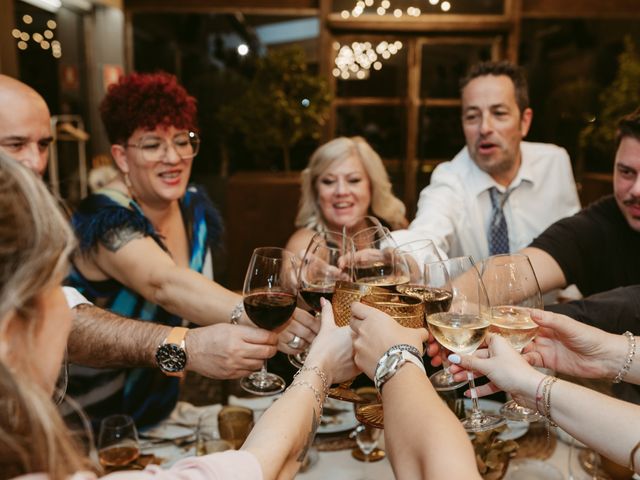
302	325
375	332
225	351
503	365
333	348
568	346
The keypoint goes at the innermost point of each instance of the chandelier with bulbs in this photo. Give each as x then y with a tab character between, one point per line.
385	7
354	61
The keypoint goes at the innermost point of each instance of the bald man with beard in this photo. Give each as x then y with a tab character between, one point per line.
100	338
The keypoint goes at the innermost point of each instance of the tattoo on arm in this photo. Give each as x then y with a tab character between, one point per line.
312	434
115	239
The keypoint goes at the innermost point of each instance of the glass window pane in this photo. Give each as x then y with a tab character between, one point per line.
415	8
439	133
370	68
384	127
444	64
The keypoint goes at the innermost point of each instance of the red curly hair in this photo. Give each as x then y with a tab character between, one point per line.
146	100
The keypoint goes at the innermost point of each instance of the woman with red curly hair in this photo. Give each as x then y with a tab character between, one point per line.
145	242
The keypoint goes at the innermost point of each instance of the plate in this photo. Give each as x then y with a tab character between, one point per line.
532	469
343	418
168	431
514	429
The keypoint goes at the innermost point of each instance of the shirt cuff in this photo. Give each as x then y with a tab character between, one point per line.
74	297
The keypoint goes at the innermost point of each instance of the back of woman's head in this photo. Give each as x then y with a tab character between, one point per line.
384	204
35	242
146	101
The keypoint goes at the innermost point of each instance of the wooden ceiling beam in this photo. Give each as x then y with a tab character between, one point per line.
284	7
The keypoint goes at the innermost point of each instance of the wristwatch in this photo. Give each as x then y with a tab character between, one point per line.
171	355
390	363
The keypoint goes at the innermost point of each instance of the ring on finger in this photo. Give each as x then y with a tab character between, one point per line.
296	342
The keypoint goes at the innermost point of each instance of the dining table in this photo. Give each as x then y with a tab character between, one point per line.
338	463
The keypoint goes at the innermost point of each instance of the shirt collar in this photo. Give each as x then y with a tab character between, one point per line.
480	181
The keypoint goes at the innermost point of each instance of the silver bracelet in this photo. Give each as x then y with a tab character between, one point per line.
316	393
317	371
630	354
236	313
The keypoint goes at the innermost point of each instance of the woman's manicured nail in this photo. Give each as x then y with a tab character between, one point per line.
323	302
454	358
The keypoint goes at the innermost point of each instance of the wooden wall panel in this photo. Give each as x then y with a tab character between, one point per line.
580	9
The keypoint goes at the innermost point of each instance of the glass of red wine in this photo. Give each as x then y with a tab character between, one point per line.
270	291
375	262
324	263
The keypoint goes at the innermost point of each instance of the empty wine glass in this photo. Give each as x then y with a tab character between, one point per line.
367	439
513	289
270	291
463	327
118	441
438	281
322	265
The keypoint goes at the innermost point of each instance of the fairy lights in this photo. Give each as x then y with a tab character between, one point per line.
45	39
384	7
354	61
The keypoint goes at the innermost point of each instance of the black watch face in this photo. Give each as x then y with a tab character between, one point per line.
171	358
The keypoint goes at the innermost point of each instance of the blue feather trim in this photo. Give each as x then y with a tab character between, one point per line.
99	214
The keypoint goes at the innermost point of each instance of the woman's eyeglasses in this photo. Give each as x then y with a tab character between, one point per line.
155	149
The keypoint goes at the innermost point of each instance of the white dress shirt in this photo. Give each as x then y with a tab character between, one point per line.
74	297
455	209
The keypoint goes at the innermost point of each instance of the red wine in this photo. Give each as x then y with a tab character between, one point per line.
269	310
436	300
312	296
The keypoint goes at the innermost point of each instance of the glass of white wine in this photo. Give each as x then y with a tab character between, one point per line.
463	328
513	289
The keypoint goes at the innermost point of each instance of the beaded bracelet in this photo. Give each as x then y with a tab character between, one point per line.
316	393
546	394
538	395
317	371
630	354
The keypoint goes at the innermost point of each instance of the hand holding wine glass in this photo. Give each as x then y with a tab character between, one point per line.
375	262
320	268
270	291
513	290
462	329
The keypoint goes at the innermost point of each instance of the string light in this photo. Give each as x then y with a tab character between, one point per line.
385	7
354	61
44	39
27	19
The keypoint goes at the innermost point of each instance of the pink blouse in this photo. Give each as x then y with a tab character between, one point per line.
229	465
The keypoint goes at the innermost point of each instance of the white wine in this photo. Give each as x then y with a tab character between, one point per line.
514	324
458	332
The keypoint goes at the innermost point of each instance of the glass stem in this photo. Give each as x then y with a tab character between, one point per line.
475	408
262	375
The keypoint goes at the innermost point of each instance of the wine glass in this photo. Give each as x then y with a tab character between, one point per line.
375	262
118	441
586	464
438	297
270	291
367	438
322	265
463	327
513	289
344	295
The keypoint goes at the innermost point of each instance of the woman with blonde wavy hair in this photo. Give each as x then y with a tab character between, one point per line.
344	182
35	320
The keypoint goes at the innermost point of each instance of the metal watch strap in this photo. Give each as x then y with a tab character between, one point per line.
407	348
380	377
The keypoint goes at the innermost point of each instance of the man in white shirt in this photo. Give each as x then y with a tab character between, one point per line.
499	192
